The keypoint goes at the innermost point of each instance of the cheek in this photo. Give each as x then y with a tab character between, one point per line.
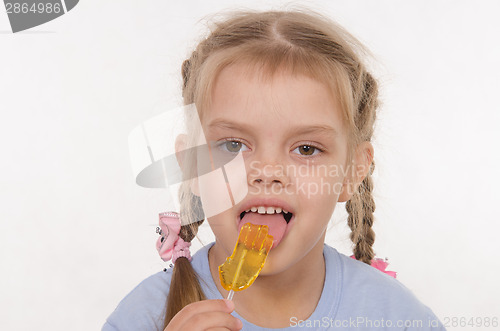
225	231
319	188
220	222
214	193
224	226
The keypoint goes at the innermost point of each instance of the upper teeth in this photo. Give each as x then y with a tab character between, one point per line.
266	210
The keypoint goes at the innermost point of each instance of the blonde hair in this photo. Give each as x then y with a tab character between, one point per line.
302	42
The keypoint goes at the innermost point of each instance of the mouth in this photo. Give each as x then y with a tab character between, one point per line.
287	216
276	219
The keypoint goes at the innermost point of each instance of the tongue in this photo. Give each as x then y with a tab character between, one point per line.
275	222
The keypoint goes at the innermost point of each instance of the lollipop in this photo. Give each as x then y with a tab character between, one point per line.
249	255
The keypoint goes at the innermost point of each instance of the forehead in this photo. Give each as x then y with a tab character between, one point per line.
245	93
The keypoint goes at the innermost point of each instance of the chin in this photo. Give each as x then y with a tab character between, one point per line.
277	263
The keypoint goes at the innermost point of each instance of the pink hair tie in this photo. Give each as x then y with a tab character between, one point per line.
380	264
170	245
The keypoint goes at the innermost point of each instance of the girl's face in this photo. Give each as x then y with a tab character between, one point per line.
291	136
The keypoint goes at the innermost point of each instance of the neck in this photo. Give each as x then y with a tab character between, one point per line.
269	301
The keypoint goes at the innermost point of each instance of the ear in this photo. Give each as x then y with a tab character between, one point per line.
363	158
180	147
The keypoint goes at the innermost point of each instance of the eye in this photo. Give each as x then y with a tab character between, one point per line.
232	146
308	150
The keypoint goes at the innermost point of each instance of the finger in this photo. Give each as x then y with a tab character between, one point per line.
200	307
207	321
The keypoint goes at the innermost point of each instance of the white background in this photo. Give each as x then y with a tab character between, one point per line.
76	232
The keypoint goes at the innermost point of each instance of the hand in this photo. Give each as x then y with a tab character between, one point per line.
205	315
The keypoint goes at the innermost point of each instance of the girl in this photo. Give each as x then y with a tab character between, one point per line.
288	91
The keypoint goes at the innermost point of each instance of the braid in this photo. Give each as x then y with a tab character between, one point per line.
184	285
360	208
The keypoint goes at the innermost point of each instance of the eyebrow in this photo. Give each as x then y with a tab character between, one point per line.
297	130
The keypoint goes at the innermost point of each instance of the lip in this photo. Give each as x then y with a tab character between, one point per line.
266	202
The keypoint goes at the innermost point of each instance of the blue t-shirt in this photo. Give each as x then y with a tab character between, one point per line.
355	296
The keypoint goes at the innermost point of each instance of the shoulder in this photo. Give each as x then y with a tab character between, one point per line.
144	307
371	294
373	285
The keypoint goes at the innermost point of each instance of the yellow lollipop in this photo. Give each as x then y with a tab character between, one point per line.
249	255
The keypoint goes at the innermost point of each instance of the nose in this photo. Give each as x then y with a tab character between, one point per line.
268	173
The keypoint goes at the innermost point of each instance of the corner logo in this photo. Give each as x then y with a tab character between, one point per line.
26	14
